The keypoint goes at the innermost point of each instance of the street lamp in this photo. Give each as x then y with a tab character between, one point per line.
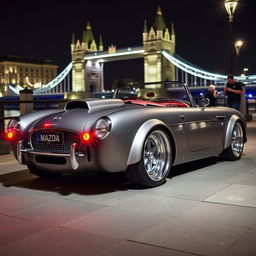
245	71
238	44
230	6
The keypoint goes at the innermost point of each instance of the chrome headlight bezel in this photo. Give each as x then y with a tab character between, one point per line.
102	128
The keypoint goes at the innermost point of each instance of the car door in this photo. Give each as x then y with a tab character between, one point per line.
204	130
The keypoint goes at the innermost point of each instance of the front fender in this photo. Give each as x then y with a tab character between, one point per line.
138	141
229	130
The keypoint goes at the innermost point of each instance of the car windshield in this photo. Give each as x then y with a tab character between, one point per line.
161	92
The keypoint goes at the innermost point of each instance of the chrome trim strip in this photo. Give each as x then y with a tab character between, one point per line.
44	153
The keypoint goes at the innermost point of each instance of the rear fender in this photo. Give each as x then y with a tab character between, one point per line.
138	141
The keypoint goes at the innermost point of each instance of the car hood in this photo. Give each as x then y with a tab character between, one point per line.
74	119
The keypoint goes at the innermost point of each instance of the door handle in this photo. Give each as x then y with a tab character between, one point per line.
221	117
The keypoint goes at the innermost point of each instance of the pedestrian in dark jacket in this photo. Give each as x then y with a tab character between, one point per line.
233	90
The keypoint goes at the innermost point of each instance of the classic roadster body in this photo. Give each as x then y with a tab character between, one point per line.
142	131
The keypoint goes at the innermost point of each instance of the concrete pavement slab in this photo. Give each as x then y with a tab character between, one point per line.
59	241
245	245
248	178
222	214
197	236
129	248
187	189
14	229
157	205
118	223
236	194
58	212
17	202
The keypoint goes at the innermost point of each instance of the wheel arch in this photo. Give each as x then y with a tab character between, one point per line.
233	119
138	141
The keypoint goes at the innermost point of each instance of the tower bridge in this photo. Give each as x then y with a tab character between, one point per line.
161	62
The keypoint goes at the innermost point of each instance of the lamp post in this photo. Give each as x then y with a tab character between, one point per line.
238	44
230	6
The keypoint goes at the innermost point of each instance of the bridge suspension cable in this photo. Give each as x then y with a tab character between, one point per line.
56	81
197	72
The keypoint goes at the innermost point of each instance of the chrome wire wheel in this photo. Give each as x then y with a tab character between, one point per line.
157	155
237	140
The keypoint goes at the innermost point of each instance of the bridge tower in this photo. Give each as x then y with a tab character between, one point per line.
87	76
156	39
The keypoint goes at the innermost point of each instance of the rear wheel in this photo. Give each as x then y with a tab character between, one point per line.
155	163
235	150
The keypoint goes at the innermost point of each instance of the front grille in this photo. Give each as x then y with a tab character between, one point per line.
63	148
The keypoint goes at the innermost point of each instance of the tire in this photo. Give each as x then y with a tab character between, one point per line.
155	163
41	173
235	150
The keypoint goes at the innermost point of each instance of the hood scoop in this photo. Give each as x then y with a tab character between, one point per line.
93	104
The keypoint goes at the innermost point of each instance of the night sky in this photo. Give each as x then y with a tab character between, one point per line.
43	29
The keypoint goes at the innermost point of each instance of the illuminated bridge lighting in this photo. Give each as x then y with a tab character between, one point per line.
192	70
101	57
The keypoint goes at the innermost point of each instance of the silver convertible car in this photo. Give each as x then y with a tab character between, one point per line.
142	131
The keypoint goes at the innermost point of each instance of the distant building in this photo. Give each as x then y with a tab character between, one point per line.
156	39
87	76
22	71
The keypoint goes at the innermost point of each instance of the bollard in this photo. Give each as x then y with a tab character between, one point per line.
243	100
5	147
26	95
1	119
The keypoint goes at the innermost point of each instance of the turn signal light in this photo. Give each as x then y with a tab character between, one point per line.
9	135
86	136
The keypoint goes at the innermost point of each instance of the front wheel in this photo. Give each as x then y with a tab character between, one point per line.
155	163
235	150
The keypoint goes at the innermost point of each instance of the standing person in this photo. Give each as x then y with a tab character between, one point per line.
233	90
212	95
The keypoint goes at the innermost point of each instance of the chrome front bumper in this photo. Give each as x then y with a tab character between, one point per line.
72	156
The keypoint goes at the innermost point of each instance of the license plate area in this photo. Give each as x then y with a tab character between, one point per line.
50	138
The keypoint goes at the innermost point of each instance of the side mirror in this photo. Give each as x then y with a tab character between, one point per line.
205	102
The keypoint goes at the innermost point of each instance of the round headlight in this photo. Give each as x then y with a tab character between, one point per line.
102	128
